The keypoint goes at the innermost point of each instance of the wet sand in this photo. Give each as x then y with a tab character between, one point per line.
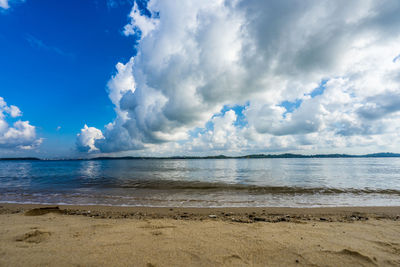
34	235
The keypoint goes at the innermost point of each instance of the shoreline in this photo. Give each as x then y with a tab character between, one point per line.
235	214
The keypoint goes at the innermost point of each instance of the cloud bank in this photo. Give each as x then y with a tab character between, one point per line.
19	135
307	75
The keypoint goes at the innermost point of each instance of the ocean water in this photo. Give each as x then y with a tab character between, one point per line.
310	182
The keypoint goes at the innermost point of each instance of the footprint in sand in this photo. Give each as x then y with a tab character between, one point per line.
353	255
36	236
233	260
156	233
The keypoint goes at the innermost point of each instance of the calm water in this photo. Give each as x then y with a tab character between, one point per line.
204	183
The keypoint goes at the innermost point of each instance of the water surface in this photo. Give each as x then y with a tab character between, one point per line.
303	182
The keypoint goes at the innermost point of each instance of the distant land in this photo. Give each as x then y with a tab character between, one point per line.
252	156
28	158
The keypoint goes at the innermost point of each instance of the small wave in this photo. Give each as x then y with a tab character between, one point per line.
245	188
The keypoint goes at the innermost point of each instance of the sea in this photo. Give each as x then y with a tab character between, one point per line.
268	182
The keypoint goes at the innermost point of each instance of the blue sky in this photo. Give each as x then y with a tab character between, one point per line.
56	60
125	77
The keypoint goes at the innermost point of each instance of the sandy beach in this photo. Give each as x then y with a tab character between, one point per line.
34	235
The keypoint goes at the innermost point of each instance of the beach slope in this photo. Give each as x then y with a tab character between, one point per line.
108	236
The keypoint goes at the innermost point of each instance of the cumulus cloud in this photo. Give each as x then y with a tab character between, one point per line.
224	135
197	57
140	24
20	134
87	137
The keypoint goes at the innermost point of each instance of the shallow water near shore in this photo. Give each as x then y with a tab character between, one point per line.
310	182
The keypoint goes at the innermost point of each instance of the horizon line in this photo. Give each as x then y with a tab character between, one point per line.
221	156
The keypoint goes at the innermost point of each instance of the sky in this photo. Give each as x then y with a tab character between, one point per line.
164	78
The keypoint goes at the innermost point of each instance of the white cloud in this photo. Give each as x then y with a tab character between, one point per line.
139	23
20	134
196	57
4	4
223	136
14	111
87	137
120	84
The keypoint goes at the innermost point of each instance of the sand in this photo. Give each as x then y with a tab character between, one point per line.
112	236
